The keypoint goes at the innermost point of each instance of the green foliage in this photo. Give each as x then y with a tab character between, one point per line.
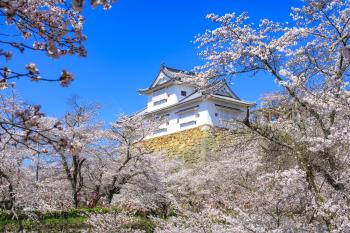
51	221
141	223
47	225
57	214
73	220
173	212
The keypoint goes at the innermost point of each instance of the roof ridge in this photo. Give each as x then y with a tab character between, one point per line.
171	69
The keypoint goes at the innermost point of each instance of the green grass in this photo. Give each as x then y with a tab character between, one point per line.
72	220
57	214
53	221
141	223
29	223
47	225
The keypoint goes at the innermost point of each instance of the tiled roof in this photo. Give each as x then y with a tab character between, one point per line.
197	96
174	76
177	74
180	76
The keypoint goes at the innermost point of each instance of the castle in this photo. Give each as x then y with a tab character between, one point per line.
172	96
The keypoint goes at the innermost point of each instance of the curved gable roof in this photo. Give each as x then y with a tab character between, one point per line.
167	76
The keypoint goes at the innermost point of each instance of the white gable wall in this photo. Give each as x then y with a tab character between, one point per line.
179	88
162	78
166	97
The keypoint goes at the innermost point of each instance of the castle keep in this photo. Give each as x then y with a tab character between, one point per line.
172	96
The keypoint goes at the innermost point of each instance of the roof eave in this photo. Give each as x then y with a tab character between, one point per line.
175	105
150	90
235	101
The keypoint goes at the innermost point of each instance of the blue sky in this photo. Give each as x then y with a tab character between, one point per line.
126	46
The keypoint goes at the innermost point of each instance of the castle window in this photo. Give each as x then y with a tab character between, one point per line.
186	117
216	114
161	130
190	123
226	115
159	102
183	93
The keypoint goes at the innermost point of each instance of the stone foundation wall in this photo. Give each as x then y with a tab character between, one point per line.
190	144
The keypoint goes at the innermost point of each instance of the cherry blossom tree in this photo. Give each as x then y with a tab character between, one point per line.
309	59
77	135
25	134
113	222
123	173
22	124
53	27
76	162
12	177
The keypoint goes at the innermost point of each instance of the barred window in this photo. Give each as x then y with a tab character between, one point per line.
161	130
159	102
226	115
186	124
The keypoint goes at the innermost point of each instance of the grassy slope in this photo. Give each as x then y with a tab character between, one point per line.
74	220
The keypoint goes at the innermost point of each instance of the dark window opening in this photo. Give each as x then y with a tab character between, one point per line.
183	93
160	102
190	123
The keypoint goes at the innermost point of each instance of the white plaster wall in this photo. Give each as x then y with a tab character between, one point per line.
206	111
212	109
165	93
174	125
172	94
177	91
